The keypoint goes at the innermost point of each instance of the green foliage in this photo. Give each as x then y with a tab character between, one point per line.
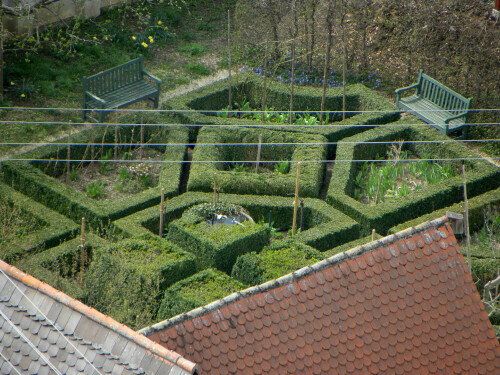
274	261
96	189
216	245
197	68
282	167
193	49
16	223
198	290
27	226
275	146
481	177
379	181
128	278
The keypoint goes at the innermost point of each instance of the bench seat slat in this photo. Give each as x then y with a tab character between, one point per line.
118	87
434	103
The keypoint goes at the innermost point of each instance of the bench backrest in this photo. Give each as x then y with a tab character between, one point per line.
114	78
441	95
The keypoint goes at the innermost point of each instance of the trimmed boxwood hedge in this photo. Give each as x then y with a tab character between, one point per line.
55	227
198	290
30	180
324	226
190	108
207	157
221	252
59	266
128	278
481	176
477	206
276	260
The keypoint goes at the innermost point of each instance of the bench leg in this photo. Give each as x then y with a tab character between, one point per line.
156	101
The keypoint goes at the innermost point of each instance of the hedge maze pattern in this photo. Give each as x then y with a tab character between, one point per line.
128	272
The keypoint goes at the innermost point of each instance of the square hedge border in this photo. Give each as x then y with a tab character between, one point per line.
207	158
476	206
25	177
57	228
216	254
481	176
196	108
257	268
326	226
176	301
42	265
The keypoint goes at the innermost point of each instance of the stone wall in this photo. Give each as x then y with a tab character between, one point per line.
57	12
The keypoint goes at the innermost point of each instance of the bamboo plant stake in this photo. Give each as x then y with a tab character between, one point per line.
82	252
229	61
162	212
68	163
264	88
296	201
466	217
259	148
292	82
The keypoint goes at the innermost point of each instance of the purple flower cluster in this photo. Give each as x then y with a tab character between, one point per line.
314	77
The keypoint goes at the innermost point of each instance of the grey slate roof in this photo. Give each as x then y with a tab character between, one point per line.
44	331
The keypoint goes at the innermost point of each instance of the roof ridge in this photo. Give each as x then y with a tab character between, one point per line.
163	353
296	275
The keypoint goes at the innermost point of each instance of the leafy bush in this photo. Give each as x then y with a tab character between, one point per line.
128	278
274	261
198	290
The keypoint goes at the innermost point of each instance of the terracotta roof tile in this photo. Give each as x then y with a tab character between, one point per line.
403	304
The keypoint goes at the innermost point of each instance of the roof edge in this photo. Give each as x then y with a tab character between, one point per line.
297	275
173	358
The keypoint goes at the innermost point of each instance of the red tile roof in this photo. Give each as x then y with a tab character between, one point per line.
403	304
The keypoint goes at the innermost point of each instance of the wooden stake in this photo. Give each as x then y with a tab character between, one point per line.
259	148
373	234
301	215
296	201
142	139
162	212
116	142
82	252
466	217
229	61
292	83
68	163
215	189
83	233
92	145
264	88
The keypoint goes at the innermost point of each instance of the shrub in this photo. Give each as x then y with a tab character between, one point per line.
198	290
127	279
280	147
276	260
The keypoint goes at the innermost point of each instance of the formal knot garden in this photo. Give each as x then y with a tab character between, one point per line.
195	201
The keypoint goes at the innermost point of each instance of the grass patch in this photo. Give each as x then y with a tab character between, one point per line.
16	223
193	49
198	68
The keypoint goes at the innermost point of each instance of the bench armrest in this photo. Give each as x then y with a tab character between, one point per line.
399	91
157	80
97	99
446	121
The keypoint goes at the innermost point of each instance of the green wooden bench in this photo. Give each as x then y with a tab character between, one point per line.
117	87
436	104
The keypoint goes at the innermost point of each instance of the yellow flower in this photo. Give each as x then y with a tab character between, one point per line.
12	83
95	38
144	44
22	95
159	22
134	38
151	40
